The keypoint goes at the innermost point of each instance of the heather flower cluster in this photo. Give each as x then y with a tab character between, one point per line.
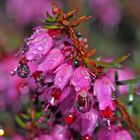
74	98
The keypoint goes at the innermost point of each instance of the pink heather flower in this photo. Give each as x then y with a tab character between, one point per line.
123	74
60	133
28	11
108	12
89	122
81	79
106	134
39	44
123	135
103	89
52	60
9	86
113	134
63	75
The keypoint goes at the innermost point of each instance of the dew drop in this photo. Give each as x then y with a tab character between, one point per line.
40	48
13	73
35	52
24	49
77	88
86	77
51	61
23	71
60	78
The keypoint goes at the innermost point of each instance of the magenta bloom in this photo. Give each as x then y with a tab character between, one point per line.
108	12
89	122
106	134
28	11
81	79
103	89
63	75
52	60
123	134
39	44
114	133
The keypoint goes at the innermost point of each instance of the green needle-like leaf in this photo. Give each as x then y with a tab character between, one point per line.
20	122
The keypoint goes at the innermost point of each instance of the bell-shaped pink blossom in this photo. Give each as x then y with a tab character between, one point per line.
123	135
106	134
60	133
39	44
81	79
103	89
63	75
52	60
89	121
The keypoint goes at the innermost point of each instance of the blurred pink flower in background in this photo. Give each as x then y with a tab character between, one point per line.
123	74
108	12
28	11
9	89
12	87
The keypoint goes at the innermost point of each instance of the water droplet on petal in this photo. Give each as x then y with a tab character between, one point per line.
35	52
51	61
30	57
60	78
86	77
77	88
40	48
13	73
23	71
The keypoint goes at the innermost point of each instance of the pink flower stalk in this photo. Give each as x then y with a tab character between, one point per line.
103	89
39	44
25	12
